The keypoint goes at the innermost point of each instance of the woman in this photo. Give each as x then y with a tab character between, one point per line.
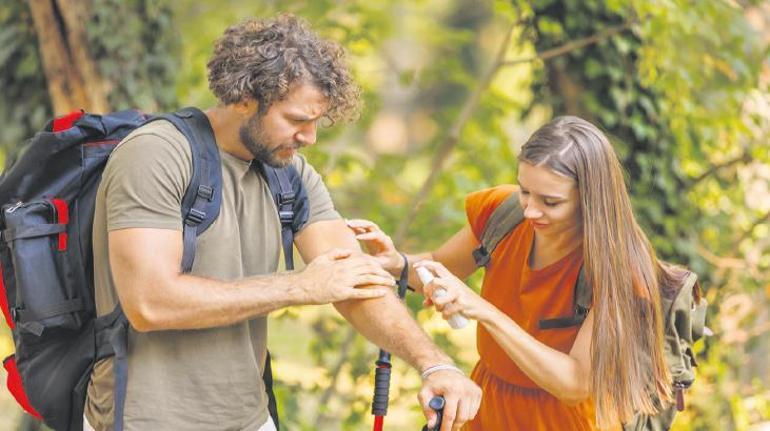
576	213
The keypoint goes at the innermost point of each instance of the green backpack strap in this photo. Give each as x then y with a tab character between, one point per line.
501	223
582	304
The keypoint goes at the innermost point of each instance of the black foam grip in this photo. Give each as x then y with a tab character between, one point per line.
381	391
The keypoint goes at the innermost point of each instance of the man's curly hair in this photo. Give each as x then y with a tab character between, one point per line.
261	59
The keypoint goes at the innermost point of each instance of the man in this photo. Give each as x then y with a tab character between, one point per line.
197	343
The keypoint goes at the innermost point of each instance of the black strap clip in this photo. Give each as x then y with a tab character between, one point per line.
481	256
286	198
194	217
287	217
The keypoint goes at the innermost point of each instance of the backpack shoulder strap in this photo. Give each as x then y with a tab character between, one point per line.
582	304
203	197
291	202
501	223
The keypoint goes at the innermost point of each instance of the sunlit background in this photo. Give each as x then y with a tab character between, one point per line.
452	89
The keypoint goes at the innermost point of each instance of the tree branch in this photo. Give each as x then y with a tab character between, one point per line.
744	158
446	147
571	46
762	220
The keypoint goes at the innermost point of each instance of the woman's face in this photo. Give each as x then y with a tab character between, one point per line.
550	200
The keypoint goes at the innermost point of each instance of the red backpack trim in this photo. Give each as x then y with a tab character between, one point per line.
63	217
16	388
4	302
66	121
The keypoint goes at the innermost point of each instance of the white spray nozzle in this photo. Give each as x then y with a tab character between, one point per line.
456	321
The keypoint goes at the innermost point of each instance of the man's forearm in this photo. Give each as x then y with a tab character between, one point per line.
386	322
191	302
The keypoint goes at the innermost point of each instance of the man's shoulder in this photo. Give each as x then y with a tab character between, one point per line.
159	129
155	140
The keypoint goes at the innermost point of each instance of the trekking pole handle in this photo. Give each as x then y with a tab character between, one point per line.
456	321
437	404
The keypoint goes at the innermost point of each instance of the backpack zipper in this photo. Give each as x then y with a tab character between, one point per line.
16	206
679	388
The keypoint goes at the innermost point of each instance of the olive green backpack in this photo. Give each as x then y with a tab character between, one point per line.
684	312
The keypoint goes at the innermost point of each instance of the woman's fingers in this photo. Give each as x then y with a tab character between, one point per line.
373	236
450	310
436	267
363	225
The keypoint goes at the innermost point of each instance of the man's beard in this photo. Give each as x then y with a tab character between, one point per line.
258	144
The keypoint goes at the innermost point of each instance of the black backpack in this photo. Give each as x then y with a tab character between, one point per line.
46	257
684	311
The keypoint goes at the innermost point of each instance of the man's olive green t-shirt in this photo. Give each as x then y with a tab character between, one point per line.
208	379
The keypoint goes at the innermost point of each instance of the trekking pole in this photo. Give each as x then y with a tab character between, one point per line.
437	404
382	372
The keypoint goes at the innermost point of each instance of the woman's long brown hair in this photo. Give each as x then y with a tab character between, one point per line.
628	369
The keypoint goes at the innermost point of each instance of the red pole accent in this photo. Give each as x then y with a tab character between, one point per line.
378	420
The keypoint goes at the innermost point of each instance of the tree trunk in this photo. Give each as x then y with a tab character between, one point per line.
71	73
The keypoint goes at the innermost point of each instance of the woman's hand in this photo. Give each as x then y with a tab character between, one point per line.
377	244
459	298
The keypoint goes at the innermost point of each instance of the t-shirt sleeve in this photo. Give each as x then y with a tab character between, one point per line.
480	205
321	205
144	182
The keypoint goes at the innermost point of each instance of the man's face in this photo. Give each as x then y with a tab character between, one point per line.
287	126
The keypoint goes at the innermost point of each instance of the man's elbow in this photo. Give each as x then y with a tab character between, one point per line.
143	315
140	318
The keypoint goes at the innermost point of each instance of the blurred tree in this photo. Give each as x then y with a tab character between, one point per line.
99	55
449	100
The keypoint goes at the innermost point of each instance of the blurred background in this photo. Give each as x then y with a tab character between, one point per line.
452	89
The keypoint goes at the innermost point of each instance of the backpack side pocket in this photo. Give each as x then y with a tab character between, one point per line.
36	236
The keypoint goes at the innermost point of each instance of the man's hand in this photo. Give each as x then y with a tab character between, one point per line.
461	395
339	274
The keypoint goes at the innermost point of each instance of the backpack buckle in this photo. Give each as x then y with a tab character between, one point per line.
286	217
206	192
286	198
194	217
581	312
481	256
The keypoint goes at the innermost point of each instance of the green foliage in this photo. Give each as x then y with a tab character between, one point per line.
133	43
672	94
678	93
137	51
24	106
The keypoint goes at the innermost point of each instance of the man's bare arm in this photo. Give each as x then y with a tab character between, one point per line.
156	296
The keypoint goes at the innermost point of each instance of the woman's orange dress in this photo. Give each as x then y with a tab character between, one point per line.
511	401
